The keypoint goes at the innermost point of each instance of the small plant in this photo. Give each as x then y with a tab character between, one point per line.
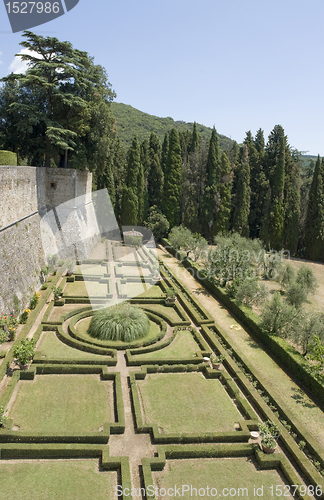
3	354
269	434
44	272
44	286
171	293
269	442
24	351
34	300
302	445
24	316
2	417
57	291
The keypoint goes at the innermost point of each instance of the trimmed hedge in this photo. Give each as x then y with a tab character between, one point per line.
8	158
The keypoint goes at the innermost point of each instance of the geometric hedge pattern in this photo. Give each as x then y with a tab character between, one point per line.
109	418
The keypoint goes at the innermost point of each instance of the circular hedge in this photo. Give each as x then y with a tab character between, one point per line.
122	322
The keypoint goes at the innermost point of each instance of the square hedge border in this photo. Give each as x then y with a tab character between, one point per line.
117	427
207	437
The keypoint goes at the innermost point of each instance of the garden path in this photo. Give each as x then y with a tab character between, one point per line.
280	385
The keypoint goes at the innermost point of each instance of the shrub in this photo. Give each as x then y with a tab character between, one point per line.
120	322
2	417
24	316
278	317
250	292
57	291
24	351
157	223
34	300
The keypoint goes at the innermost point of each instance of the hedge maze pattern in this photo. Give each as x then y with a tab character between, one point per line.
162	387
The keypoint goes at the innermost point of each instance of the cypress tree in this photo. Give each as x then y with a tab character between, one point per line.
165	151
172	181
224	196
210	196
259	204
130	204
155	177
292	201
242	194
314	224
276	149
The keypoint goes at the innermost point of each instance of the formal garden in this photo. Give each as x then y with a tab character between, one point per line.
150	392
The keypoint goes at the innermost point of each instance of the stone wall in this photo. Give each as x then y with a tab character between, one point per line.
39	208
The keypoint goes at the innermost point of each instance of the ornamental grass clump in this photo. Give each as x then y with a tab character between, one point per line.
122	322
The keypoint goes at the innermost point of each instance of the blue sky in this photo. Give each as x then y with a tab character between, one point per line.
237	64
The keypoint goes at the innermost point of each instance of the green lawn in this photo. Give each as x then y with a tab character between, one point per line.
59	311
62	403
167	311
187	402
90	288
52	348
56	480
221	473
91	270
183	346
134	270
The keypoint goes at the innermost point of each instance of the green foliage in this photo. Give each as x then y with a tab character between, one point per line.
278	317
316	353
224	196
234	258
24	351
130	204
60	115
172	180
120	322
287	276
299	288
157	222
57	291
296	295
307	279
241	194
251	292
314	223
210	197
8	158
155	178
2	417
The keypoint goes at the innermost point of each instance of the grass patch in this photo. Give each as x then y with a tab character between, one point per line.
168	312
122	322
90	288
62	404
58	312
56	479
182	347
187	402
90	270
52	348
220	473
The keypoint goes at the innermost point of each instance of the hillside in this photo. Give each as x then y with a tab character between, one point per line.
130	121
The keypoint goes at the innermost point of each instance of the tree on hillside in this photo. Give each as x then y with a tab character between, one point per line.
223	209
164	152
210	196
314	223
292	201
59	97
134	171
172	180
155	179
241	194
275	165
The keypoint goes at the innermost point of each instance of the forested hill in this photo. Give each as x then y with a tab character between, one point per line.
131	121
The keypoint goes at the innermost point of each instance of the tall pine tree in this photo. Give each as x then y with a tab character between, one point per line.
210	196
314	224
224	196
241	194
172	181
130	204
155	176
